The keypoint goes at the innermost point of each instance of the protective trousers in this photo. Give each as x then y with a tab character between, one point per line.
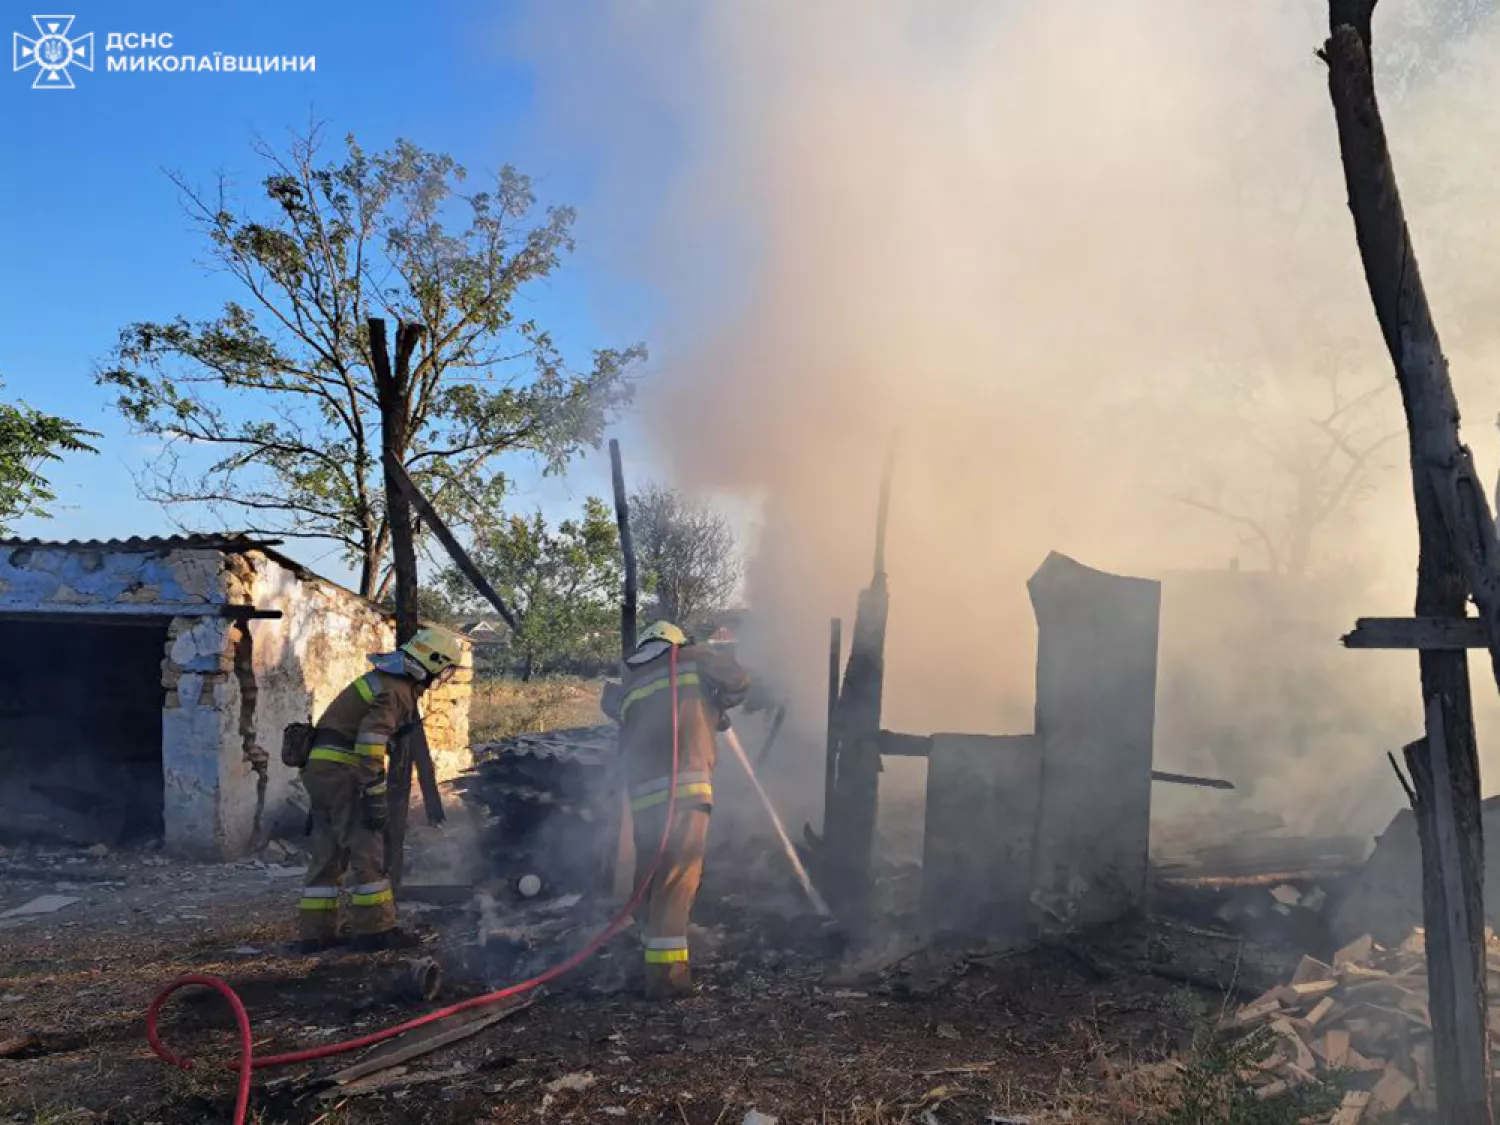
343	842
669	900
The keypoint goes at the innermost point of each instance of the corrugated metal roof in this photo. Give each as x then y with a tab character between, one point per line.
228	542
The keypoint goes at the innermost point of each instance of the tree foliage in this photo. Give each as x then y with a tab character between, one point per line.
562	584
29	440
279	389
687	555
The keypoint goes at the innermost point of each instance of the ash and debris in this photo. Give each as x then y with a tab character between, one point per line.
787	1023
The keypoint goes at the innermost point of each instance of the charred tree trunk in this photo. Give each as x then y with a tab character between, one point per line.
1457	555
393	395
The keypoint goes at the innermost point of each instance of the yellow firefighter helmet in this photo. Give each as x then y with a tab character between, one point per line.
437	650
662	631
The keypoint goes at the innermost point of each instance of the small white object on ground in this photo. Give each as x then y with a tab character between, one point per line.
1287	895
45	904
571	1082
756	1117
529	885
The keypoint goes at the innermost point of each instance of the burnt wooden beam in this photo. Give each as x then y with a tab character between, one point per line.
850	834
249	613
450	544
1457	556
831	750
883	511
896	745
627	550
1421	633
1188	779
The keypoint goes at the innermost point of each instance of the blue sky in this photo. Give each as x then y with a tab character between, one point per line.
93	236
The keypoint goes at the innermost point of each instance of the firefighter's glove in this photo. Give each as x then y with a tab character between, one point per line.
373	805
723	720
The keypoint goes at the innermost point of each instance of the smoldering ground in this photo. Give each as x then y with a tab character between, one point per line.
1093	262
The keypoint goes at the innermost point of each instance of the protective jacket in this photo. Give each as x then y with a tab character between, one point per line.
345	783
364	717
709	682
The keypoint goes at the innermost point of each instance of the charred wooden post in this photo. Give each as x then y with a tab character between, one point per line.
627	549
1457	556
851	834
620	874
392	387
831	764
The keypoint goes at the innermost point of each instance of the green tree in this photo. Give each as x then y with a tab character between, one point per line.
278	389
562	584
689	561
29	440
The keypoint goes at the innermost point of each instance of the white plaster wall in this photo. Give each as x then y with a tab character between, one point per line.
197	725
302	661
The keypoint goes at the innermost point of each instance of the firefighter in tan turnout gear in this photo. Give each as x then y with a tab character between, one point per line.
345	779
709	683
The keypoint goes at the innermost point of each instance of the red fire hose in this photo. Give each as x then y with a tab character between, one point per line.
248	1062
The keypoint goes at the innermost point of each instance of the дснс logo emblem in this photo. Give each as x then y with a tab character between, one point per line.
52	52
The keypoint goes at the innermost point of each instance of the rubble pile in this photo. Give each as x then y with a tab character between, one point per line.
1364	1018
548	798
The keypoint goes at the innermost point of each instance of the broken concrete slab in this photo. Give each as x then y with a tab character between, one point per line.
1095	714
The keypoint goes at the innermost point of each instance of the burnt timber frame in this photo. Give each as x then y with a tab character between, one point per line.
853	768
856	743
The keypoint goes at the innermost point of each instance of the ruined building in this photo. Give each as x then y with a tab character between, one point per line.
145	683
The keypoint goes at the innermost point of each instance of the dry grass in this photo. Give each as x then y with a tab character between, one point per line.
504	707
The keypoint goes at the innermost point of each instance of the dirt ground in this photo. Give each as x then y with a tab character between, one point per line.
781	1023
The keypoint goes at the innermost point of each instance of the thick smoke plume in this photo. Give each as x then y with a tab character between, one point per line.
1092	261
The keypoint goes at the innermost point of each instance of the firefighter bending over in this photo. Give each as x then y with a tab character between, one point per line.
709	683
345	780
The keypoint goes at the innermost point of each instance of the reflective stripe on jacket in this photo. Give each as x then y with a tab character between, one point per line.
709	682
360	722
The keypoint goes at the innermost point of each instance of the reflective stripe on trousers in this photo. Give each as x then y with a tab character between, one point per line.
694	783
666	950
371	894
319	898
